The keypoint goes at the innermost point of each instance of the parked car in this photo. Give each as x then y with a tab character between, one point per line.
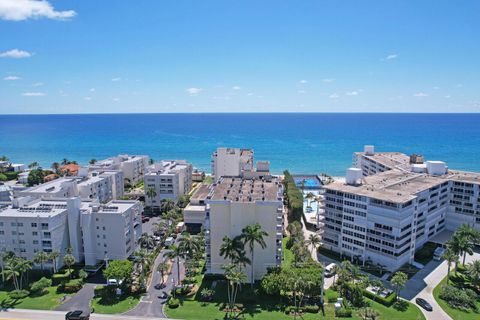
77	315
438	253
169	241
424	304
330	270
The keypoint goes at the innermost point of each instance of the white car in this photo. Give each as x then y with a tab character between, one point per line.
169	241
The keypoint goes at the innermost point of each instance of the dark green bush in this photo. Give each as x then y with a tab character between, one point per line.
18	294
331	296
71	286
40	285
343	313
294	198
388	301
60	277
463	299
11	175
3	177
311	309
173	303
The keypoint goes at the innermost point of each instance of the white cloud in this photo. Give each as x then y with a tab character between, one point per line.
92	89
420	94
352	93
301	91
334	96
448	96
18	10
194	91
11	78
15	53
37	84
236	88
116	99
116	79
250	94
459	85
87	98
436	88
303	81
391	56
33	94
328	80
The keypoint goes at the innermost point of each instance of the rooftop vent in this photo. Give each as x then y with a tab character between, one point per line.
354	176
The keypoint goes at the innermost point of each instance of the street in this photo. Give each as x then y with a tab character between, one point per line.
22	314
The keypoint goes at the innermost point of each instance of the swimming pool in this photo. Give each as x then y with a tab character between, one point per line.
309	182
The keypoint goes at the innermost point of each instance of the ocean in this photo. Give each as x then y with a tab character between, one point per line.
301	142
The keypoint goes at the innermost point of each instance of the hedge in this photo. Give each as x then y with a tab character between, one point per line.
331	296
59	278
11	175
294	199
18	294
71	286
343	313
388	301
173	303
311	309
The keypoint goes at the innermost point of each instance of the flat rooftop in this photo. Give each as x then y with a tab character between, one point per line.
52	186
389	159
167	167
43	209
394	185
201	193
463	176
245	190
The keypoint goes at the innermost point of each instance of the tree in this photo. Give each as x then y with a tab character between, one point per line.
294	228
167	205
120	270
466	236
35	177
399	280
369	314
162	268
65	161
11	272
33	165
55	166
473	272
3	158
40	285
176	253
300	252
151	193
235	277
450	257
189	244
310	196
146	241
40	258
92	161
313	240
251	235
377	283
231	249
69	261
54	255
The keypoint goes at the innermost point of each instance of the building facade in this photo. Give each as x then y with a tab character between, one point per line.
132	166
234	203
170	179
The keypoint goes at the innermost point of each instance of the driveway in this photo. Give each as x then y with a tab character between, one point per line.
422	284
80	301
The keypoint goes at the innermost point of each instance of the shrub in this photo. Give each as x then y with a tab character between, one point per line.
295	199
173	303
3	177
331	296
98	291
71	286
343	313
388	301
60	277
82	274
41	285
11	175
18	294
311	309
463	299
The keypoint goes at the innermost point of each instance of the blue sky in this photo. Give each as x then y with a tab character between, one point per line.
82	56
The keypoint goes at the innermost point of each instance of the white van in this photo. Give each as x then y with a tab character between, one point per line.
438	253
330	270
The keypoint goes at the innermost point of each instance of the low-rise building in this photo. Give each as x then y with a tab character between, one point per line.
95	231
170	179
234	203
231	162
194	212
132	166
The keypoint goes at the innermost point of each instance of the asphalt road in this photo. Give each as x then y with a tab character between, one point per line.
22	314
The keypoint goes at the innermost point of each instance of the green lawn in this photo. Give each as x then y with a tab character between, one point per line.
48	301
454	313
112	304
287	254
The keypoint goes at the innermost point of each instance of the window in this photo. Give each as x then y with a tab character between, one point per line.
34	233
35	241
2	232
34	224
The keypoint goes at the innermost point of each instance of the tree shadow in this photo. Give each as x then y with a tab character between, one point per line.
9	303
401	305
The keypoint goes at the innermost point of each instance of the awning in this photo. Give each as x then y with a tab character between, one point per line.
442	237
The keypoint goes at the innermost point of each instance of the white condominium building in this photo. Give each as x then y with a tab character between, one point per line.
132	166
385	217
94	231
234	203
59	188
194	212
169	178
231	162
372	162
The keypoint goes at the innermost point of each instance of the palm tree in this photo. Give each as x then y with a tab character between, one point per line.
189	244
310	196
167	205
40	258
65	161
55	166
162	268
151	193
11	272
69	261
313	240
54	255
450	257
3	158
231	248
473	272
176	253
147	241
235	277
251	235
92	161
467	235
143	259
23	266
399	280
33	165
